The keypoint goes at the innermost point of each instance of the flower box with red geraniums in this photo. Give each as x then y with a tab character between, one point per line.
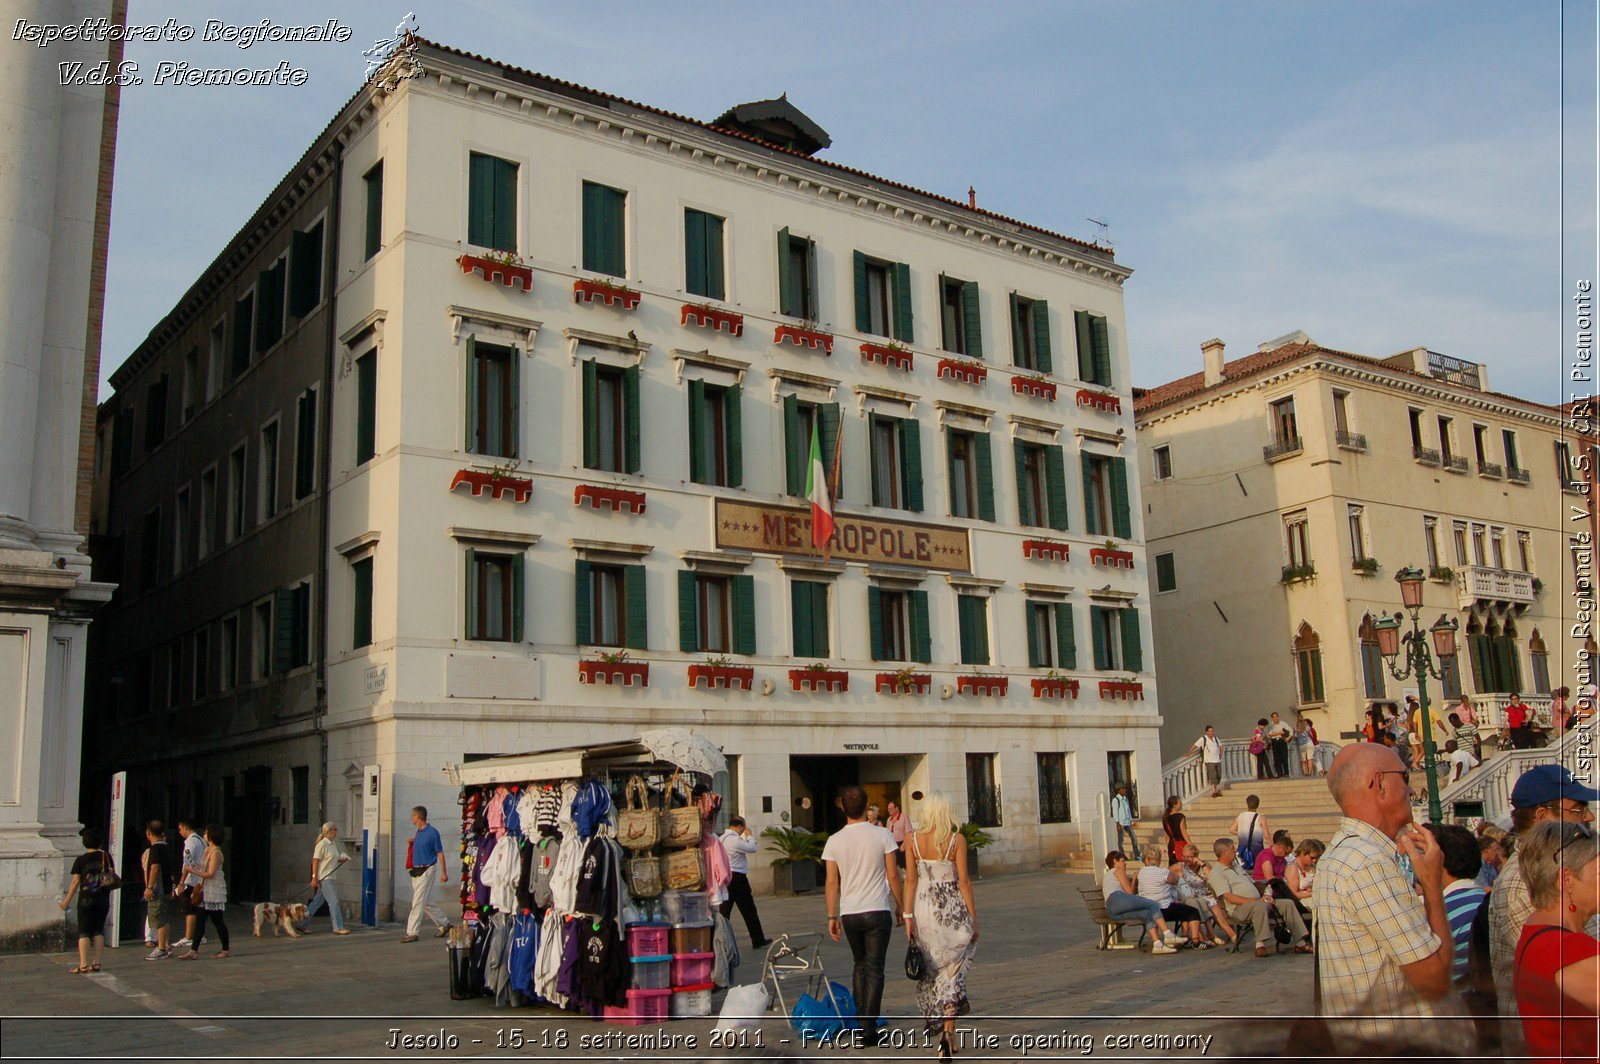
616	673
503	270
896	683
1054	687
496	484
1130	690
731	677
1037	387
1111	557
714	318
801	336
894	356
958	369
602	498
1053	549
994	686
834	680
1111	404
588	290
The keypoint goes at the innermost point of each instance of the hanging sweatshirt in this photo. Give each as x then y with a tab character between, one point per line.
597	877
719	873
547	965
499	874
542	859
564	878
602	963
546	810
524	952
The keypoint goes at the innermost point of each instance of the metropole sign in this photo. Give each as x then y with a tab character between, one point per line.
874	540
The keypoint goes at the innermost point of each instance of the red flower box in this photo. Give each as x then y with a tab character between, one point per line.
709	317
836	680
1100	400
1125	689
994	686
587	291
1045	548
1114	559
504	272
1037	388
731	677
893	357
918	683
601	498
496	484
1044	687
815	339
956	369
616	673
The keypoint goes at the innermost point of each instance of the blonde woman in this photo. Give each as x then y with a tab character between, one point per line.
943	920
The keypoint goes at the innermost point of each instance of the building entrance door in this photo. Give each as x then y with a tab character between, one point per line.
249	842
815	783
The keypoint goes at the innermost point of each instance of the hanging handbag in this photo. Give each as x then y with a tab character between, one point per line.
684	870
644	876
914	962
107	880
679	827
638	828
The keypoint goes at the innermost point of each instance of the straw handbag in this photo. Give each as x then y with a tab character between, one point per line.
679	827
684	870
638	826
644	876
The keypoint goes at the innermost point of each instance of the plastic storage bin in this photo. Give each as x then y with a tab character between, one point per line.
644	1006
655	973
648	940
685	907
690	1001
691	969
690	938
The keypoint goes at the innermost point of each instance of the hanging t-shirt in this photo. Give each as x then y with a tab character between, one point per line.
858	849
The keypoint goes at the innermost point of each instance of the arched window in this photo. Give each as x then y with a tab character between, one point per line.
1371	660
1308	665
1496	667
1539	659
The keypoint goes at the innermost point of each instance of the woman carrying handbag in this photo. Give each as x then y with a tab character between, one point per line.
943	921
214	894
94	877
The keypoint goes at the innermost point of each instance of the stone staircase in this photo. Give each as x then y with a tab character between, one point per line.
1302	806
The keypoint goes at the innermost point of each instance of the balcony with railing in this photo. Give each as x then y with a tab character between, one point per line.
1351	441
1426	455
1518	476
1491	470
1456	463
1282	448
1489	785
1480	583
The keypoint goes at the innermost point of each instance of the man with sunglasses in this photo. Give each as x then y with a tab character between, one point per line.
1543	793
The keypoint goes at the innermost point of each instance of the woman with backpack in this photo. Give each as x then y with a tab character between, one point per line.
94	877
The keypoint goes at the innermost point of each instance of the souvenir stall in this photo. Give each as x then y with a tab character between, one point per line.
591	878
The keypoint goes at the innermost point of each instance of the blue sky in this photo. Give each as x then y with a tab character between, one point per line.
1380	175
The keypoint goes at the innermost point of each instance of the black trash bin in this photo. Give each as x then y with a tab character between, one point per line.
461	974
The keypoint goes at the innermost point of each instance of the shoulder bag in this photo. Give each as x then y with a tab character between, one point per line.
107	880
644	876
679	827
638	827
684	869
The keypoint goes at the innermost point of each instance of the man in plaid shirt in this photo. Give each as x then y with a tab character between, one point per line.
1384	953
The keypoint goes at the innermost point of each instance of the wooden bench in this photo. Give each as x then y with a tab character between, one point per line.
1110	927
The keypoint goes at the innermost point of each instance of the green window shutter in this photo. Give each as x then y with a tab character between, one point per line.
1102	350
802	619
985	475
875	622
373	237
604	229
1025	514
1121	517
1036	658
1102	653
472	593
1017	338
973	618
697	429
1080	321
1132	650
505	205
366	407
863	313
284	635
472	394
591	415
872	440
788	283
1475	653
1085	464
305	271
694	252
593	231
519	577
921	632
795	450
514	407
904	327
1041	336
964	628
361	629
1316	676
688	614
583	604
269	307
829	413
969	311
480	200
1055	475
630	403
638	619
1066	639
731	403
744	614
716	285
911	463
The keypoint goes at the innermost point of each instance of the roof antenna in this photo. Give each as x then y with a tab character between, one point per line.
972	197
1105	232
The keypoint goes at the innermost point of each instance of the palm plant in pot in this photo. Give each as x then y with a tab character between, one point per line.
799	858
977	839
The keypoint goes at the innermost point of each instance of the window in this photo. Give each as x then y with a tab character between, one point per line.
611	605
361	621
1508	441
1356	520
1341	413
797	276
1524	551
1447	448
234	523
897	623
491	399
201	664
1308	666
1285	430
808	601
1297	533
1450	670
1041	485
716	454
1539	661
300	784
1566	471
896	455
1094	348
269	305
1105	496
176	685
292	647
883	298
1051	644
1430	539
214	355
1493	652
261	641
180	532
1479	555
1497	547
961	328
703	254
971	475
716	613
972	617
712	624
605	244
305	444
983	791
366	407
1119	773
372	232
800	420
186	384
1480	445
610	418
1166	573
155	414
1030	334
206	541
1117	643
1416	430
491	202
243	325
1458	535
228	677
267	485
1371	660
494	596
1055	799
1163	459
305	271
150	550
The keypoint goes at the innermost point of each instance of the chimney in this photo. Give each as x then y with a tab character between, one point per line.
1212	350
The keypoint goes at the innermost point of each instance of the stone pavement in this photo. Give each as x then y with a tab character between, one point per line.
1037	974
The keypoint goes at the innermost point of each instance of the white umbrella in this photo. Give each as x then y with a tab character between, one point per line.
681	747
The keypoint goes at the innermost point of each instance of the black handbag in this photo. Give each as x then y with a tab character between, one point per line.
914	962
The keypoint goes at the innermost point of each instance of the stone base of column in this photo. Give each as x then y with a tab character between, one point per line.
33	879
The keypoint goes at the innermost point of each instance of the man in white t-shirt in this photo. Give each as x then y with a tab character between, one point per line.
1210	748
1460	761
863	897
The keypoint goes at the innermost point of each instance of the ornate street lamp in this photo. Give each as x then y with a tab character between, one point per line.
1419	662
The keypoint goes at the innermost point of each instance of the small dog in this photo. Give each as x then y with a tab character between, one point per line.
283	918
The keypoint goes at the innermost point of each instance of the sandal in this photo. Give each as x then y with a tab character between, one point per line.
1303	948
94	967
220	954
80	970
1261	951
190	956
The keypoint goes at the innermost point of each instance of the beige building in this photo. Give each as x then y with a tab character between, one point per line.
1284	490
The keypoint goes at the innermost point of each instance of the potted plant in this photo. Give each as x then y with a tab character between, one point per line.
1442	573
799	858
977	838
1365	566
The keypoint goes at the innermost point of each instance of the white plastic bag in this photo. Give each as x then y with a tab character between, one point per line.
744	1007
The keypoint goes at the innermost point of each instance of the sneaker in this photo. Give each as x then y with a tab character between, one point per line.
1161	947
443	931
408	938
157	954
1173	938
181	945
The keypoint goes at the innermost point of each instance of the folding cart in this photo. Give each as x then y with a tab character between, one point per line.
795	960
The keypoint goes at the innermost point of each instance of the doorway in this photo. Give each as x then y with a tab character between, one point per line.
249	840
815	782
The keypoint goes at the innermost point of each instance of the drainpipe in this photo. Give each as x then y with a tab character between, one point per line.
324	521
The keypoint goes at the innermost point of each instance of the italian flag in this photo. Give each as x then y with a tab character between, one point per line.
817	492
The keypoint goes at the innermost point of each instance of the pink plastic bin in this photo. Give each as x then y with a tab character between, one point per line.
644	1006
647	940
692	969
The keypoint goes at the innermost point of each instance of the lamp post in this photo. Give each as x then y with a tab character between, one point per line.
1419	663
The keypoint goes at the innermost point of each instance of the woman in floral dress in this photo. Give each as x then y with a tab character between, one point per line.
943	921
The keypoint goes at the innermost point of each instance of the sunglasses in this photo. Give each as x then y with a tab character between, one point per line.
1580	831
1404	774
